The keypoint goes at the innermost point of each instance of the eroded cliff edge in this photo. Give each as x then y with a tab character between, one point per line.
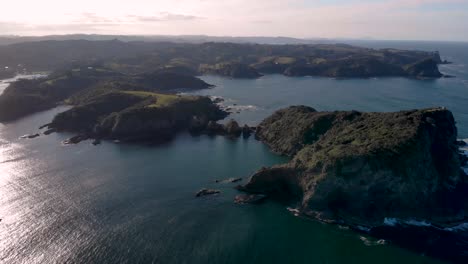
362	168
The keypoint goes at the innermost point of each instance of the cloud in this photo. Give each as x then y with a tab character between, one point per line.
164	16
262	21
95	18
384	19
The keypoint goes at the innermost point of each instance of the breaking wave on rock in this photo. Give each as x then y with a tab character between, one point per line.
230	105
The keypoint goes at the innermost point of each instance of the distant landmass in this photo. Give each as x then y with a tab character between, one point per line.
80	84
6	40
228	59
107	65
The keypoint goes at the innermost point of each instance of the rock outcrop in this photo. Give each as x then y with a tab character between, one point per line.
232	128
205	192
360	168
427	68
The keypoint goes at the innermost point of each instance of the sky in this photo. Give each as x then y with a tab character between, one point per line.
355	19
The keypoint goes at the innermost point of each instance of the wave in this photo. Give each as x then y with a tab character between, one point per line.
242	107
294	211
416	223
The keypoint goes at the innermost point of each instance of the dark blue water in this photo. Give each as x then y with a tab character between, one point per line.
135	204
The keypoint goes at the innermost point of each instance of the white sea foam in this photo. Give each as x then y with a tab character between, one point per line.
418	223
372	242
460	227
463	227
394	221
363	229
242	107
215	97
294	211
390	221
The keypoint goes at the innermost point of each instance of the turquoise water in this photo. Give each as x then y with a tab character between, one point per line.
135	204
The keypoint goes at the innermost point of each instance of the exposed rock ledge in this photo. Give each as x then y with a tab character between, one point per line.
360	168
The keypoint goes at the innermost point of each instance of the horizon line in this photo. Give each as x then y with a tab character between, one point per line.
233	36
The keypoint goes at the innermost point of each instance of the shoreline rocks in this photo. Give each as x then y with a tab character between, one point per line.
231	129
50	131
249	198
230	180
30	136
205	192
75	139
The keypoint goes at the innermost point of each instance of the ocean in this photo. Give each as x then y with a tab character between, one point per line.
119	203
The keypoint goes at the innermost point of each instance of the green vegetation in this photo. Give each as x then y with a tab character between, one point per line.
79	85
141	57
359	168
161	100
135	115
230	69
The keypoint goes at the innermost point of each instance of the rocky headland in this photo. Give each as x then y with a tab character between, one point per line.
365	170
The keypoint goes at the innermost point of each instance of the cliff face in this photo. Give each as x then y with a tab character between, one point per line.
359	168
424	69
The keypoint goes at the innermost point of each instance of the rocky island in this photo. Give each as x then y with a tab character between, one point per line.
362	169
135	116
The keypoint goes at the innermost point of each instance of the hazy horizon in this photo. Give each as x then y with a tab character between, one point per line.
424	20
156	36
